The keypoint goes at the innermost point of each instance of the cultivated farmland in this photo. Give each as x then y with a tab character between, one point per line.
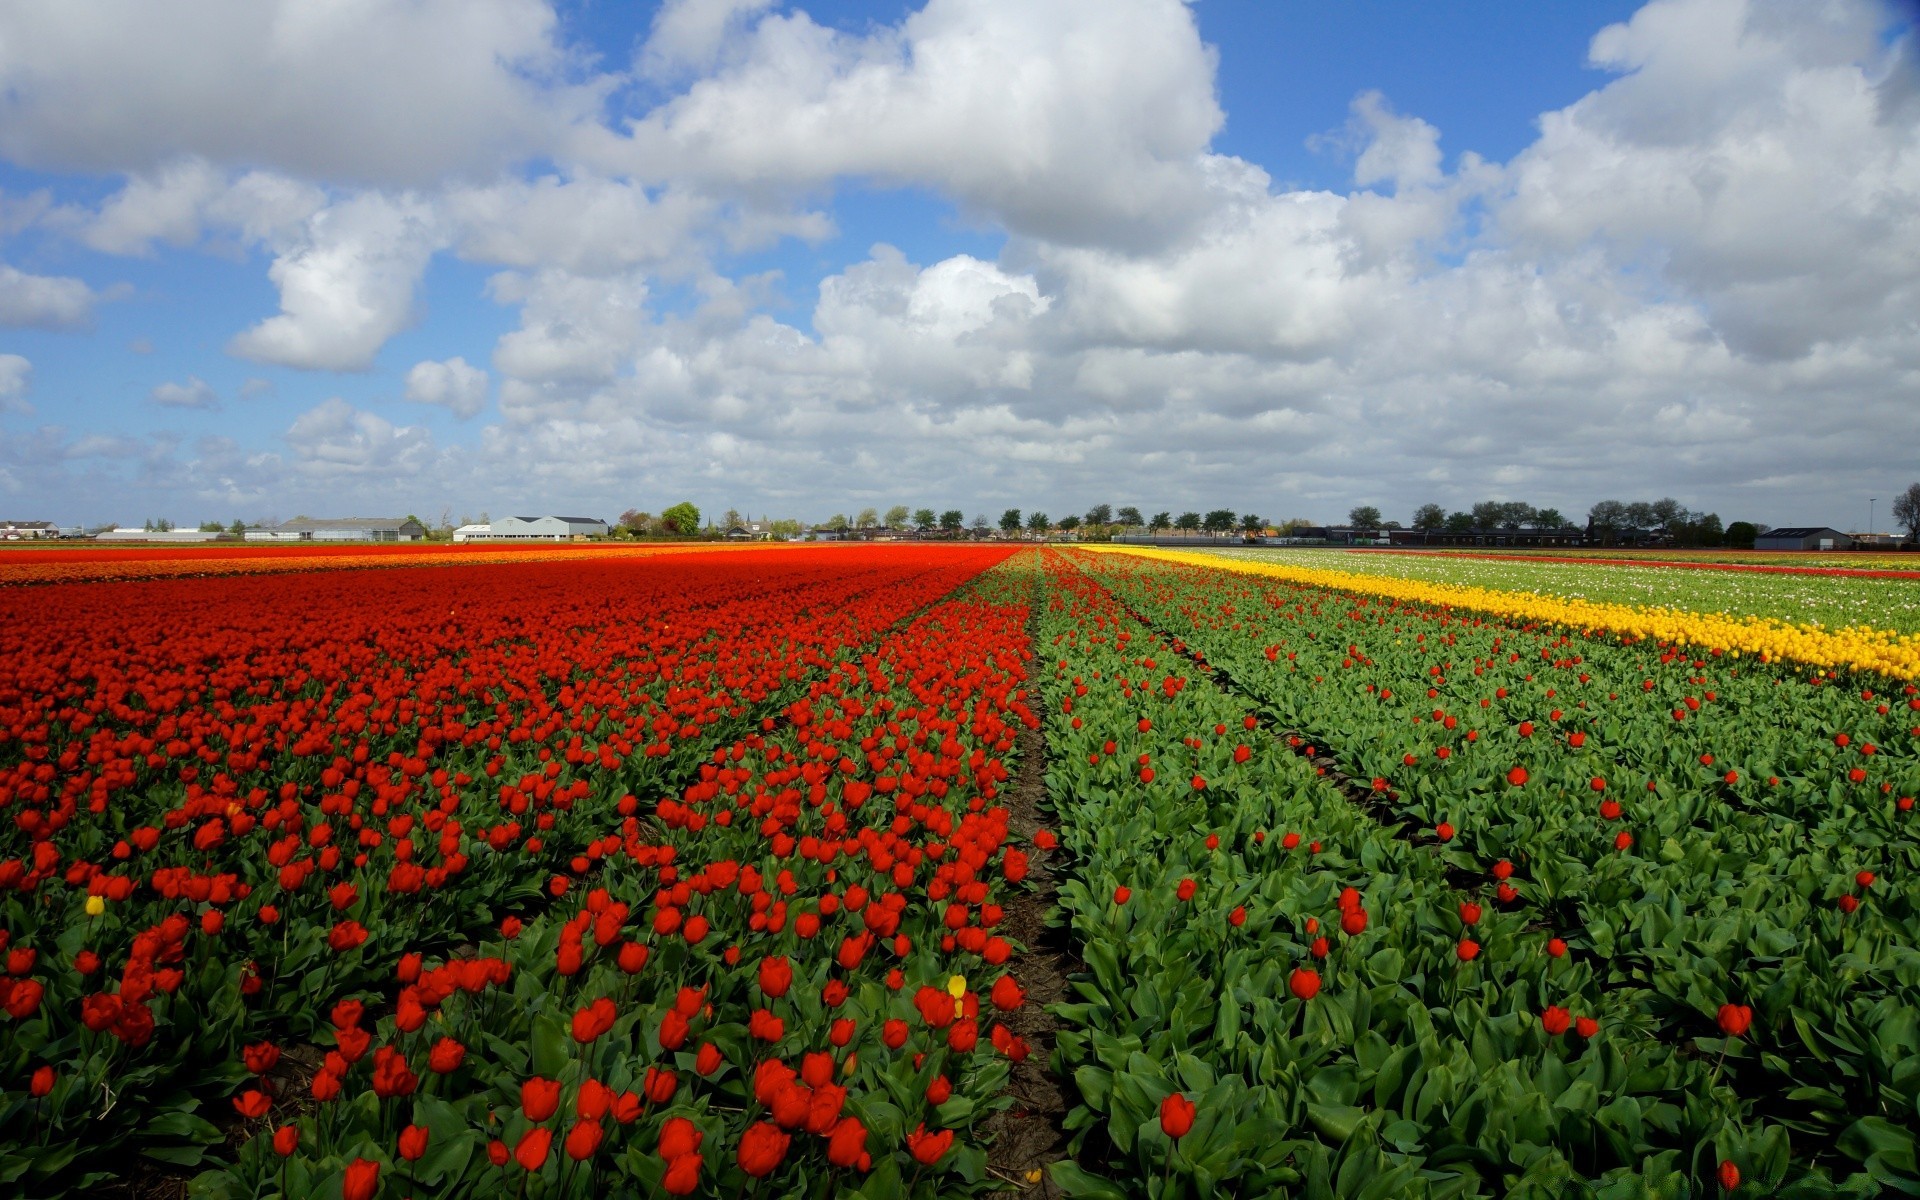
722	873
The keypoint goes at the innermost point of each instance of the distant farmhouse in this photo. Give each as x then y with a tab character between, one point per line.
14	531
1803	537
532	529
342	529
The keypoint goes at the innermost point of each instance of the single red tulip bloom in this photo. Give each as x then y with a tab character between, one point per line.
286	1140
534	1145
1734	1019
361	1181
252	1105
1304	984
1176	1116
583	1139
683	1175
540	1098
413	1143
679	1137
1555	1020
776	976
762	1147
928	1148
1729	1175
446	1056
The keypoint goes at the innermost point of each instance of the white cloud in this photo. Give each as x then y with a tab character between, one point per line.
380	92
688	35
461	388
335	440
974	97
194	393
1404	151
43	301
346	284
15	372
1646	300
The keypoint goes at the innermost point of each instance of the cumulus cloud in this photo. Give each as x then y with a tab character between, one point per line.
688	35
346	284
460	388
194	393
1648	298
15	372
335	440
43	301
973	97
377	92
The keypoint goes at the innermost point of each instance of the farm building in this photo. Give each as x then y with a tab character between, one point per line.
532	529
13	531
155	535
1803	537
1566	535
342	529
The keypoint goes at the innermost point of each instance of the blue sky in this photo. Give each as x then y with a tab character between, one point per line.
1285	257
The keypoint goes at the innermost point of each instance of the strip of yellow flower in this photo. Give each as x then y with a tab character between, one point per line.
1860	648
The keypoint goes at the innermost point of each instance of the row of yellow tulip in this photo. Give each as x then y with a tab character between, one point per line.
1860	648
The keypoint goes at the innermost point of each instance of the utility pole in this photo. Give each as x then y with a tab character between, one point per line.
1870	503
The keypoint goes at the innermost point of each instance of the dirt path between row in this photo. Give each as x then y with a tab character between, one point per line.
1029	1136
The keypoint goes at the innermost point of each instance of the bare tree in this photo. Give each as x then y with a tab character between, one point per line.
1906	510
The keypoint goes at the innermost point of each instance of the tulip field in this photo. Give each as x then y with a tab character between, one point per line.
813	871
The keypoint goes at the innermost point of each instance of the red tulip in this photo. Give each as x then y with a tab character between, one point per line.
413	1143
1303	983
762	1147
1122	894
1467	950
1734	1019
683	1175
583	1139
1729	1175
361	1181
286	1140
928	1148
1555	1020
252	1105
540	1098
534	1145
847	1144
776	976
679	1137
446	1056
1176	1116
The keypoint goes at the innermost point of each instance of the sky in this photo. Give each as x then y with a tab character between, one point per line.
267	258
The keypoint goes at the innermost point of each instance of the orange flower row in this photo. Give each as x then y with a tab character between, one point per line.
90	566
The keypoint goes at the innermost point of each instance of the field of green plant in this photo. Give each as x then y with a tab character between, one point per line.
1831	601
1405	902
